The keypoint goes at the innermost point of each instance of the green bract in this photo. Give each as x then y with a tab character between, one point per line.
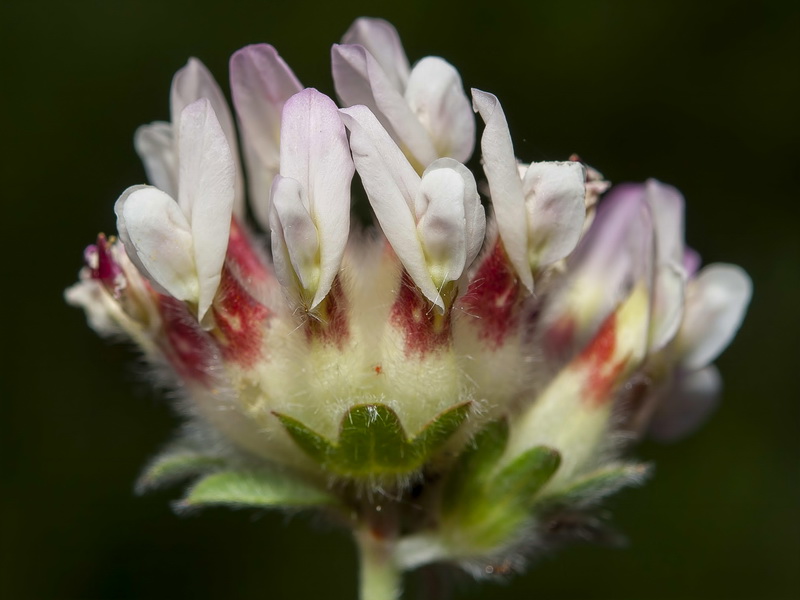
372	443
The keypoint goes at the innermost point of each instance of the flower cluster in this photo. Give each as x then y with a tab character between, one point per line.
490	363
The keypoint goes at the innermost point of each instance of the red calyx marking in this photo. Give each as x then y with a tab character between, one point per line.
240	321
493	298
331	325
596	358
559	337
104	268
188	348
241	253
425	331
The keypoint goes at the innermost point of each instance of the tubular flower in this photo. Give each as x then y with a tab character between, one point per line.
456	387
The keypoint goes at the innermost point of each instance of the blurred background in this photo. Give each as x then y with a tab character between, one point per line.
700	95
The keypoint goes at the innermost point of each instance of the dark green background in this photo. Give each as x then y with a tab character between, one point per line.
704	96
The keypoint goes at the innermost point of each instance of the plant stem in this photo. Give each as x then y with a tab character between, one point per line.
379	578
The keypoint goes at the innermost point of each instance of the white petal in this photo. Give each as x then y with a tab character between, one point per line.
193	82
261	83
554	200
158	239
295	243
381	39
436	95
378	157
127	244
442	225
205	193
359	79
474	214
689	403
505	185
315	152
391	185
668	304
155	145
667	205
716	302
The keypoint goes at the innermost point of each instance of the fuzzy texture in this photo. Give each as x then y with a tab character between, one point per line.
405	378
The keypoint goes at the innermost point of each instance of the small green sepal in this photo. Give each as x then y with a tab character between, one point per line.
319	448
373	443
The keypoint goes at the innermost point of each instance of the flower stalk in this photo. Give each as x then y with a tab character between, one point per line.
380	577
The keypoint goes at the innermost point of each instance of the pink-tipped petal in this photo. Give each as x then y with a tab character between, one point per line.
381	39
261	83
436	96
359	79
691	261
716	302
667	205
505	185
155	145
206	193
315	152
193	82
691	400
619	246
616	254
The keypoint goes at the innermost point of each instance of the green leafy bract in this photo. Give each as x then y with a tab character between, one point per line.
486	504
525	476
475	465
598	484
228	480
178	461
255	488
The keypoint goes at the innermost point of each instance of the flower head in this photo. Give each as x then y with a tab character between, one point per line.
492	363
